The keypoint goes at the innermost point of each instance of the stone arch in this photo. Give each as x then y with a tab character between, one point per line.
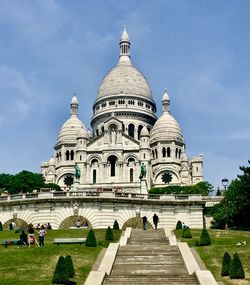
20	223
60	179
94	156
136	223
71	221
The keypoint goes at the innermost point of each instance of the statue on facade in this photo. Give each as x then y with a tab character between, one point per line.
143	171
113	136
77	172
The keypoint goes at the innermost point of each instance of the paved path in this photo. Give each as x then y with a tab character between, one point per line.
148	259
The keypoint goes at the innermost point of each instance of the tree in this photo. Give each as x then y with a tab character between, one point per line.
52	186
186	233
70	266
225	264
178	225
233	209
202	188
116	225
61	273
109	234
204	238
236	270
91	239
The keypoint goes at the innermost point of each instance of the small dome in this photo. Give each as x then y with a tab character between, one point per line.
166	128
83	133
51	161
144	132
124	79
70	130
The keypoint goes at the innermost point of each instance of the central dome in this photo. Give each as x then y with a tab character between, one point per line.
124	79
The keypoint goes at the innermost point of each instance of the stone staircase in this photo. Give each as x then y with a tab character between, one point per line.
148	259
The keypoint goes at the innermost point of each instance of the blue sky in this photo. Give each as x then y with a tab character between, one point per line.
198	50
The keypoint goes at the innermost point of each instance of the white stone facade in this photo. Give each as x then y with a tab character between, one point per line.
125	133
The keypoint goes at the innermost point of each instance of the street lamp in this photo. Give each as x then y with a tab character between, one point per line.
224	182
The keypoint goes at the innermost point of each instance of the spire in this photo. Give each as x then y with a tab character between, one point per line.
165	102
74	106
124	47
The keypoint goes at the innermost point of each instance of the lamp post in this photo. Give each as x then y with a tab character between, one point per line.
224	182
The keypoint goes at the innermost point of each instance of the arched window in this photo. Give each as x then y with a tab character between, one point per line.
131	130
179	153
131	175
72	155
97	132
94	176
153	154
156	154
80	157
163	152
168	152
112	160
139	131
176	153
102	129
67	155
94	162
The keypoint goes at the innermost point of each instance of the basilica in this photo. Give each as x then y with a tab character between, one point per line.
126	137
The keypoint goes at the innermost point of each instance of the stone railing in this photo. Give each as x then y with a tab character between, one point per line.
210	200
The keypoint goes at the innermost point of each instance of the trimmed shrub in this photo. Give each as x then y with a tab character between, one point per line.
91	239
197	243
116	225
61	273
104	243
1	226
70	266
178	225
205	238
186	233
225	264
109	234
236	270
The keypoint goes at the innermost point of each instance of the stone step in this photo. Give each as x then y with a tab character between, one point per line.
153	269
148	280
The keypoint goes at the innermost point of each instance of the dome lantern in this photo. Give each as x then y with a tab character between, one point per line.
124	47
165	102
74	106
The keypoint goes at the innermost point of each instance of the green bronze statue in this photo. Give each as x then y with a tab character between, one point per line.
143	170
77	172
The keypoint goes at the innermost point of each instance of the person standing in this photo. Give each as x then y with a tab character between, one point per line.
155	220
144	222
41	234
31	235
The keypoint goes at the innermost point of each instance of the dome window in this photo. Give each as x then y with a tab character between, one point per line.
168	152
72	155
67	155
163	152
139	131
131	130
104	105
111	103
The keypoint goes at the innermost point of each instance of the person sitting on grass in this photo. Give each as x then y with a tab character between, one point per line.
23	238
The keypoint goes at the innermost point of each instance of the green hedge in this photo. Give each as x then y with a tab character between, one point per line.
205	238
91	239
236	270
186	233
225	264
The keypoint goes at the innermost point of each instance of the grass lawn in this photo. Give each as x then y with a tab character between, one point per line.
34	265
222	240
